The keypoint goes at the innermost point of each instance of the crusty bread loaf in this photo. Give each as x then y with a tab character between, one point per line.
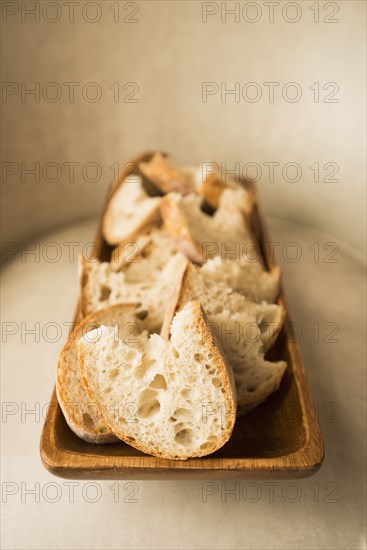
144	258
166	175
174	399
82	414
246	277
102	286
200	236
129	210
245	331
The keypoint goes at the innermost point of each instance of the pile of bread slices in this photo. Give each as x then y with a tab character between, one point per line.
173	330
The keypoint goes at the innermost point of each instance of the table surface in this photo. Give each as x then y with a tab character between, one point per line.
326	511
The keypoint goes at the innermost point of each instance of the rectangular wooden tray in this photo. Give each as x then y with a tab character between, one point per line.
279	439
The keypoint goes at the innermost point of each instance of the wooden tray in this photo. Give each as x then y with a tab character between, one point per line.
279	439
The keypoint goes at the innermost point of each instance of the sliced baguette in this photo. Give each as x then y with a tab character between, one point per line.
81	414
175	399
102	286
239	326
129	211
166	175
200	236
246	277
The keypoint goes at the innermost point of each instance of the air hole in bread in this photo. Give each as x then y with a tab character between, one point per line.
158	382
199	357
216	382
142	314
107	390
113	373
175	353
149	409
149	404
186	393
185	437
104	293
182	414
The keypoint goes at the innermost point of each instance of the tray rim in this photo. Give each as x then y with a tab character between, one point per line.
303	462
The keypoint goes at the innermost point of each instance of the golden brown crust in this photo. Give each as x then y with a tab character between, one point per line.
226	373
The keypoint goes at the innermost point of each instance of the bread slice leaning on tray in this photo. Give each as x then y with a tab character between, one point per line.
160	399
158	220
244	329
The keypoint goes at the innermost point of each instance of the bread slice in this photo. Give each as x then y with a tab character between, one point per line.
129	211
243	329
102	286
246	277
147	256
199	236
267	318
82	414
166	175
174	399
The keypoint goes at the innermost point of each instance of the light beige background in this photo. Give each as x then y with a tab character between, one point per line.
169	53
